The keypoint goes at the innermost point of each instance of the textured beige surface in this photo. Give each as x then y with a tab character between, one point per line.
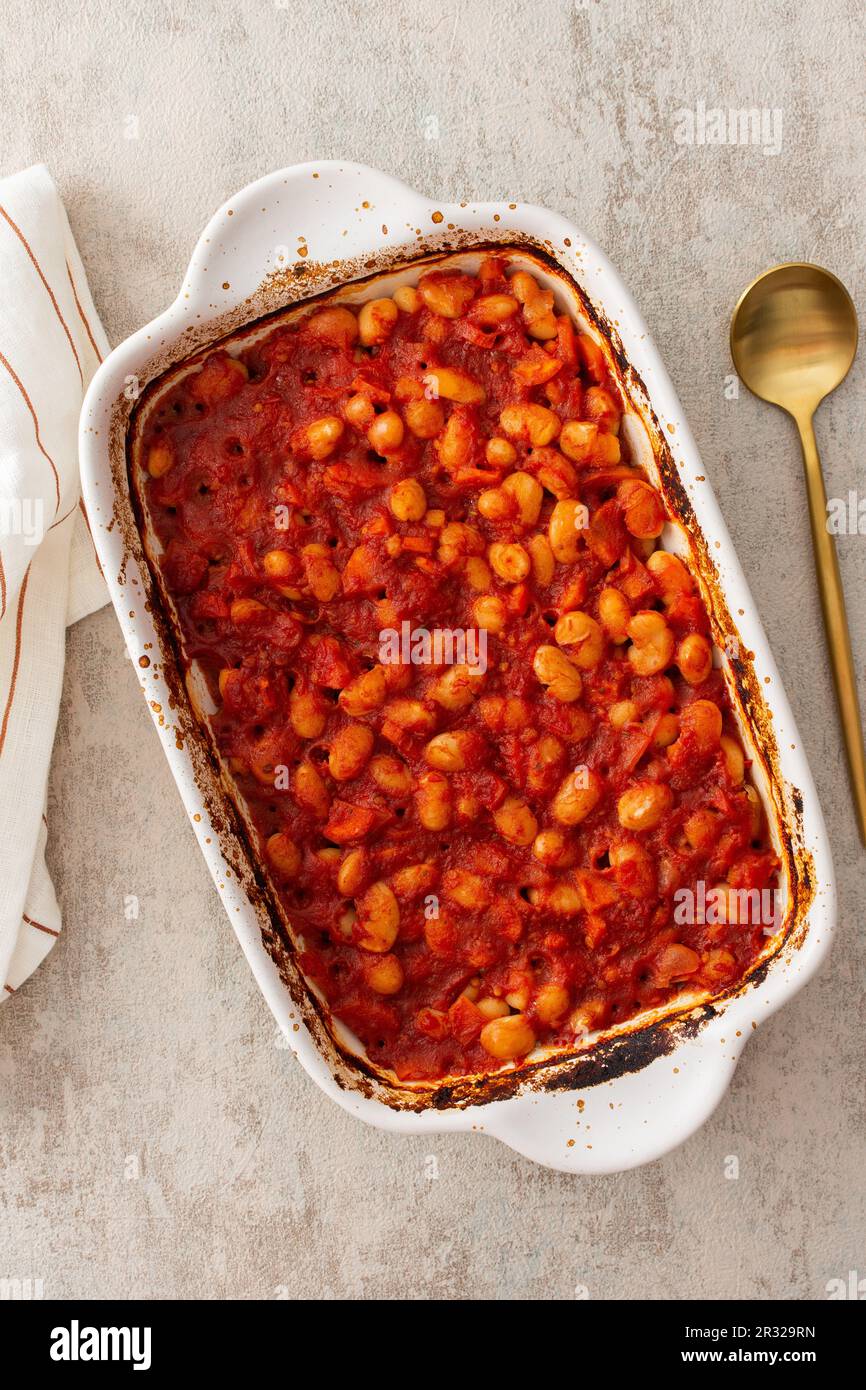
154	1140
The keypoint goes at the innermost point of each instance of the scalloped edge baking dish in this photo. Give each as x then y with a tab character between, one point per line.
630	1096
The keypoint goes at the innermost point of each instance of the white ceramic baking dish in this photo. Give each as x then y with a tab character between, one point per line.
631	1094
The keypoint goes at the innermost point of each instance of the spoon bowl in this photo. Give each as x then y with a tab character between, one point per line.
794	336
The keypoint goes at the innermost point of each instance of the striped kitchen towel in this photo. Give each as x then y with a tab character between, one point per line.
51	342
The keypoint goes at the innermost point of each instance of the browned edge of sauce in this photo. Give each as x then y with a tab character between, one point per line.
634	1045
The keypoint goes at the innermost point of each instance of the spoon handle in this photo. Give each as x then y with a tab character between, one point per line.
835	620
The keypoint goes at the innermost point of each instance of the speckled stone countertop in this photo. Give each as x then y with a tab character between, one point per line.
155	1139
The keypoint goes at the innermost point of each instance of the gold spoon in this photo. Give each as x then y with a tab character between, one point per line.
793	339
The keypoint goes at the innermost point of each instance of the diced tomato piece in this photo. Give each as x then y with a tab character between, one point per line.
349	822
433	1023
209	604
606	535
754	869
592	357
370	1018
364	572
185	569
566	341
327	664
466	1020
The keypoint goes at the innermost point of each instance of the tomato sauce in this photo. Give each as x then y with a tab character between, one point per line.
474	862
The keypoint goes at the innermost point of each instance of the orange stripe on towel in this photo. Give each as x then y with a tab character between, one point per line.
49	931
18	622
82	315
18	382
27	247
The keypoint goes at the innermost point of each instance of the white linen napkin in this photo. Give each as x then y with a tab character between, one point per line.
51	342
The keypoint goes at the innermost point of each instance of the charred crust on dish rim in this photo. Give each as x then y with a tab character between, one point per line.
603	1058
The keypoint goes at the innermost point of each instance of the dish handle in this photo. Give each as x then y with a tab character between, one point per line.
629	1120
247	239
